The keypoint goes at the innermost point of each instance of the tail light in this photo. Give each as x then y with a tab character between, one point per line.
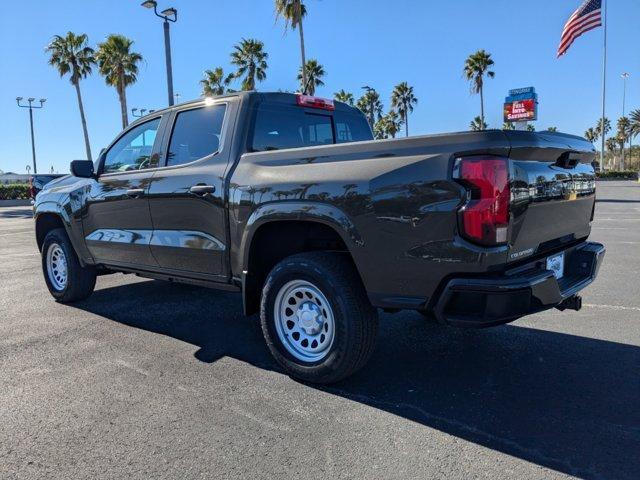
32	189
484	218
315	102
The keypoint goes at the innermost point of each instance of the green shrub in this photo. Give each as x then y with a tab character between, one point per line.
15	191
618	175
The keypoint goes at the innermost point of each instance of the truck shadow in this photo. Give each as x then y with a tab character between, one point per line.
564	402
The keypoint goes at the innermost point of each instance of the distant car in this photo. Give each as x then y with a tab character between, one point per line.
38	181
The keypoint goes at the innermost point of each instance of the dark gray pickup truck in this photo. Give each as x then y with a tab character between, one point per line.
288	200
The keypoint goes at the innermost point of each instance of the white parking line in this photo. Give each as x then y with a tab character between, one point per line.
611	307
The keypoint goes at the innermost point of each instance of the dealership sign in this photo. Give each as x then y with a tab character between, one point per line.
521	105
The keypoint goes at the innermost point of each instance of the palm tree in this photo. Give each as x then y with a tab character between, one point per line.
251	59
214	82
612	144
591	135
70	54
403	100
624	126
634	125
475	67
607	127
293	11
371	106
477	124
531	127
552	129
311	77
119	66
508	126
343	96
387	126
634	128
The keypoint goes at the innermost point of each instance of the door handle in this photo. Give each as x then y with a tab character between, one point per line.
135	192
202	189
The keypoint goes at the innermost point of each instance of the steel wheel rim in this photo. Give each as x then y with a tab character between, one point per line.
304	321
57	266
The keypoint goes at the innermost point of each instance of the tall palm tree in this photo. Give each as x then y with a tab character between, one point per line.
477	124
214	82
71	54
624	126
311	77
591	135
612	144
371	106
251	59
475	67
634	129
403	100
344	97
119	67
293	11
634	125
607	127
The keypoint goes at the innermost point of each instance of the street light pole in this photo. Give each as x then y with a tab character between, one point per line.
168	15
624	77
30	106
167	54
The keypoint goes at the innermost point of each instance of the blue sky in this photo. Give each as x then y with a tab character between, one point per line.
360	42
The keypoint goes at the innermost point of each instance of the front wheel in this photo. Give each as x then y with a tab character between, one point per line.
316	317
67	279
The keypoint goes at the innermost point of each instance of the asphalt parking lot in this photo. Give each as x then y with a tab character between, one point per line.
152	380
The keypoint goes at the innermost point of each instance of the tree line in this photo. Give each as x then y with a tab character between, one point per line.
116	61
627	128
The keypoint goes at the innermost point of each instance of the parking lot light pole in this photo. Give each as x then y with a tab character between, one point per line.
624	77
168	15
30	106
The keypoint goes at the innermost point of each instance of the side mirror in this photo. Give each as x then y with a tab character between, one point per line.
81	168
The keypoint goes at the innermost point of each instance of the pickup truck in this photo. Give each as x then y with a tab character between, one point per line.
287	199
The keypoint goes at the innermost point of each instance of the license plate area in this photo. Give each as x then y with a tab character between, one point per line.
555	263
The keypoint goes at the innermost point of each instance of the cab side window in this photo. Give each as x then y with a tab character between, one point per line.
196	134
133	150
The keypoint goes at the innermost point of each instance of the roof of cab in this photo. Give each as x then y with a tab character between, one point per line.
272	97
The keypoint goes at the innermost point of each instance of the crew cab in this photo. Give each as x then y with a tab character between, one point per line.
287	199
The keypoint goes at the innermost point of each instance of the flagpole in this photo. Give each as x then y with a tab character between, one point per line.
604	82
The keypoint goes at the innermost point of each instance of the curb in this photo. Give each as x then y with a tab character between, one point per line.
15	203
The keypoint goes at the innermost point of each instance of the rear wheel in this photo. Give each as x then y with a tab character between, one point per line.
316	317
67	280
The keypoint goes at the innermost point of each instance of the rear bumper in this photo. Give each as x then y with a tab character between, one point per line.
492	300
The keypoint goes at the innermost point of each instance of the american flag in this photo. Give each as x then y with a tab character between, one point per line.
585	18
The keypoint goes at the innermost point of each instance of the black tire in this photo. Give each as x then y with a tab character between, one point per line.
80	280
356	321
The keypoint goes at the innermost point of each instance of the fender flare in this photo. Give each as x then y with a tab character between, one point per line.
326	214
52	207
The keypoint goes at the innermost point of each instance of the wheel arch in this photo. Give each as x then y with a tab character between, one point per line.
275	231
47	220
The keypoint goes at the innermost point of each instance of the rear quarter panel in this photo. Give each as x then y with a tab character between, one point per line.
393	202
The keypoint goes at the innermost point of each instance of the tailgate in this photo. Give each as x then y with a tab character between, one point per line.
552	191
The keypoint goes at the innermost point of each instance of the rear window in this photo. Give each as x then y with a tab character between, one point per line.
280	126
